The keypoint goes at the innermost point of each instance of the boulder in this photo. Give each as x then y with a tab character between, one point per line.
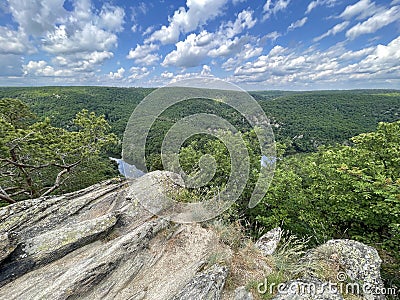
205	285
360	263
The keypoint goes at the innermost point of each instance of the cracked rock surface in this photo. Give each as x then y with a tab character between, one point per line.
98	243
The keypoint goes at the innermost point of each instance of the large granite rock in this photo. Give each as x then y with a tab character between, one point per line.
206	285
99	243
355	262
354	269
242	294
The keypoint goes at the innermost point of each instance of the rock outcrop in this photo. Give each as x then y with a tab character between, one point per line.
242	294
353	267
100	244
206	285
352	261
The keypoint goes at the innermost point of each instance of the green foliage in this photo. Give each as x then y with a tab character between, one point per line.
60	104
15	112
191	155
352	191
340	192
37	159
186	108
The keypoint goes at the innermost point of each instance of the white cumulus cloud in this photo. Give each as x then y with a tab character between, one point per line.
297	24
224	42
138	73
283	67
41	68
14	41
382	61
187	54
37	17
117	75
144	54
374	23
167	74
64	39
316	3
248	52
333	31
205	71
272	8
112	17
77	40
272	36
361	10
184	21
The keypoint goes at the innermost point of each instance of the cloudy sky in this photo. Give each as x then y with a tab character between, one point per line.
256	44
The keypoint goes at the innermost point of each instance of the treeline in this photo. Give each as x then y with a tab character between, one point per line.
60	104
302	120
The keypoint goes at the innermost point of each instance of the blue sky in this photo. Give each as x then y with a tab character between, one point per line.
269	44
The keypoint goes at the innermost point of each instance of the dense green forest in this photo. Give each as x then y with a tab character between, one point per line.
305	120
337	172
311	119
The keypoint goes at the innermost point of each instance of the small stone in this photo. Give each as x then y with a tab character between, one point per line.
269	241
242	294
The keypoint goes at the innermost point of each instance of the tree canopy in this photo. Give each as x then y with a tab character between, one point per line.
37	158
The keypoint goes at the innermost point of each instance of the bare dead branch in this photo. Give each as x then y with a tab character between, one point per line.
57	183
22	165
4	196
27	177
59	178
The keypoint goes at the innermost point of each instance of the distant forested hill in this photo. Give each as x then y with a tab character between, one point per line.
61	104
303	119
311	119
